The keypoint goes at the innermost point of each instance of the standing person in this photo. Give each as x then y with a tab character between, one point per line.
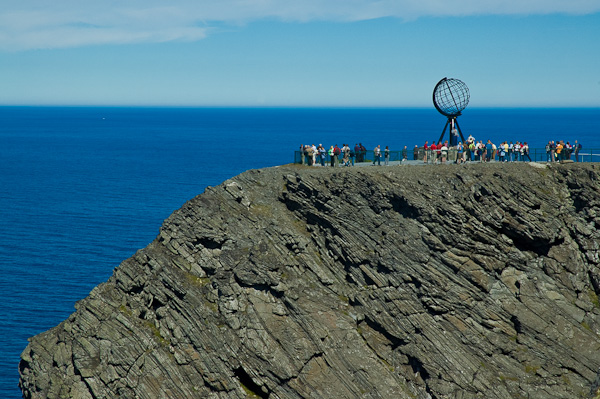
386	153
377	155
517	151
525	151
363	153
472	149
346	152
577	147
405	154
336	152
548	152
425	149
470	140
433	152
502	152
444	152
559	151
489	148
511	148
310	155
331	156
416	153
322	154
482	153
346	158
357	152
552	151
468	151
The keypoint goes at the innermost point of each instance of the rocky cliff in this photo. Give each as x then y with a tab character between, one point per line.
455	281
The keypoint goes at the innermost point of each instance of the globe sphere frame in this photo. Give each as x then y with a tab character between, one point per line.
451	96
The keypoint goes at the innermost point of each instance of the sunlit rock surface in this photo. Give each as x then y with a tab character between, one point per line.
440	281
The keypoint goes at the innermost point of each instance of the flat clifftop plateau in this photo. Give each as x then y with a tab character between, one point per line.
455	281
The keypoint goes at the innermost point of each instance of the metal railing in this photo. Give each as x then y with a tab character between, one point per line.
536	155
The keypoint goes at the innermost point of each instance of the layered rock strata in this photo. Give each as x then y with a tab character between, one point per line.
472	281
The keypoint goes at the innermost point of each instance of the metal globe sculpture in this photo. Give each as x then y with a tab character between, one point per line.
450	98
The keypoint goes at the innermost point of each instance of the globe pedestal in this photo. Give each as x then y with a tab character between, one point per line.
453	139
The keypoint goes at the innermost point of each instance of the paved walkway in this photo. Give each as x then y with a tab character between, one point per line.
391	163
421	163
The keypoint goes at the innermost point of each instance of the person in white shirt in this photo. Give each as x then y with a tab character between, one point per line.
377	155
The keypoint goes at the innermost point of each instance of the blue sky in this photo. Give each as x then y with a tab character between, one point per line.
298	53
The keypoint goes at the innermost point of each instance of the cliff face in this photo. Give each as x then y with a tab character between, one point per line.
476	281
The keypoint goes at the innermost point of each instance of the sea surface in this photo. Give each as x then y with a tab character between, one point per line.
83	188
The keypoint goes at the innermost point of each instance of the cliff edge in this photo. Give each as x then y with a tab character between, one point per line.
456	281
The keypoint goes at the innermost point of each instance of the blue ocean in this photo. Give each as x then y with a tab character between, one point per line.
82	188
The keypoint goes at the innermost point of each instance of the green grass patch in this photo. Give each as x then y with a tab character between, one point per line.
156	333
586	326
503	378
196	281
248	391
125	310
531	369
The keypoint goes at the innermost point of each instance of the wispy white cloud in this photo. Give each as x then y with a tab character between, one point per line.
34	24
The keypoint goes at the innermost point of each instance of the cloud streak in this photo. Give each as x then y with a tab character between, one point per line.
37	24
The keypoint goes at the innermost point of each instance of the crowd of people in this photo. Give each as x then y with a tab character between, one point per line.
561	151
476	151
440	152
344	155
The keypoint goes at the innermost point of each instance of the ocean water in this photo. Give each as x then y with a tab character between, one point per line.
82	188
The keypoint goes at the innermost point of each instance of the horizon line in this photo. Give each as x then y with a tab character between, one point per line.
290	106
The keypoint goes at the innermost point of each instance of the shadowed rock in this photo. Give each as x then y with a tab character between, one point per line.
476	281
